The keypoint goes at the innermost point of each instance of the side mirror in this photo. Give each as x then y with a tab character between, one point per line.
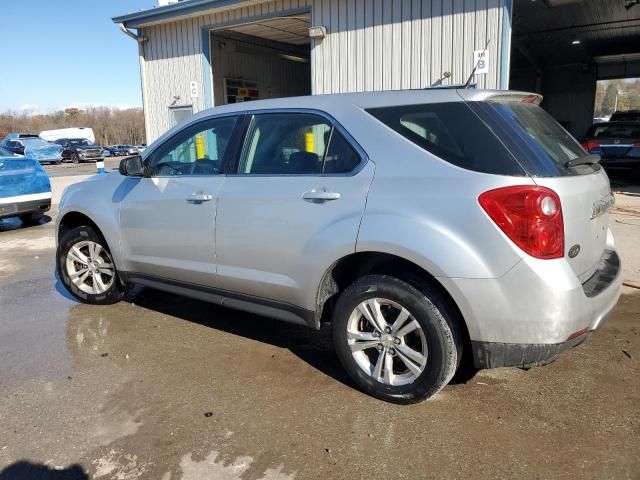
132	167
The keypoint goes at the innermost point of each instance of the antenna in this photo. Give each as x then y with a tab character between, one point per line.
475	67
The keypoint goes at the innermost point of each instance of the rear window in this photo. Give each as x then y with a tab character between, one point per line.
454	133
625	116
608	130
542	130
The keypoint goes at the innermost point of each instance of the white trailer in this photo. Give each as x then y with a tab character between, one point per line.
80	132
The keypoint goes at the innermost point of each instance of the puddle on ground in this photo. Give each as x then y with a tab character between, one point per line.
213	469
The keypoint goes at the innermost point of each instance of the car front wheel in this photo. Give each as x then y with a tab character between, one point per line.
86	268
396	342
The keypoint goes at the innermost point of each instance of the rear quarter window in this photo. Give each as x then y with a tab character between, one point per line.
452	132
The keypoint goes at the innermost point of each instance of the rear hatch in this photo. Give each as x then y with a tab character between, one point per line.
543	148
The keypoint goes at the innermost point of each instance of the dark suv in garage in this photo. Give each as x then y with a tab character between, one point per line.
79	150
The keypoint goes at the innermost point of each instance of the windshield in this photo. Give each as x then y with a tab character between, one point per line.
630	131
34	143
83	142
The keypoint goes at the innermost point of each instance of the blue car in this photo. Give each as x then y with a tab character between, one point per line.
32	146
25	189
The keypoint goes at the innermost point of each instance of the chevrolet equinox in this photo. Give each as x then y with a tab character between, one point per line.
423	225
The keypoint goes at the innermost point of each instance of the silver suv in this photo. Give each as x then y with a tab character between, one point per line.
424	225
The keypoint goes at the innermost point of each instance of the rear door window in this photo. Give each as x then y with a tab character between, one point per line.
295	144
452	132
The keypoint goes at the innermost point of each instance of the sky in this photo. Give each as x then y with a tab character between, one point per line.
61	53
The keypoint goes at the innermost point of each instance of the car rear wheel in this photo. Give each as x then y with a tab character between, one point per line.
75	158
86	267
396	342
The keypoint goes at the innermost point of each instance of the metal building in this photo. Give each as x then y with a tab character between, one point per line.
196	54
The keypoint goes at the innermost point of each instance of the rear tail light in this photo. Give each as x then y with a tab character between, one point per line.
636	144
590	145
530	216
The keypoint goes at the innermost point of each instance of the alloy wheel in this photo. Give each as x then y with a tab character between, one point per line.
90	267
387	342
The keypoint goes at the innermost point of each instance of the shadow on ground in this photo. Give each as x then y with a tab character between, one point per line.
14	223
313	347
24	470
625	181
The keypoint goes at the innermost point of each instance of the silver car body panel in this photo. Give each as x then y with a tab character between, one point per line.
261	239
166	234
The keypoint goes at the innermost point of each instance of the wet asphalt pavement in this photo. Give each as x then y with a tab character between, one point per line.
162	387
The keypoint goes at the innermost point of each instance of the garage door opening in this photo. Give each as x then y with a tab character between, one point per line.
561	48
263	59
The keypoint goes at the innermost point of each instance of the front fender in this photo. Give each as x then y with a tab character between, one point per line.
94	199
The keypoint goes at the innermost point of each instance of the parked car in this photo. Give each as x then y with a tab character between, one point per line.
400	217
617	143
120	150
78	150
106	152
626	116
140	148
32	146
25	190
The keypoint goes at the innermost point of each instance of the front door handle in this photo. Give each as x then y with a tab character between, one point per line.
320	196
199	197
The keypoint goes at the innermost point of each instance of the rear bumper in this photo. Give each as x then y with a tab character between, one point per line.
14	206
494	355
536	311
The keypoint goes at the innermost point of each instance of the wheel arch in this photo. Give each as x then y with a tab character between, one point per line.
74	219
353	266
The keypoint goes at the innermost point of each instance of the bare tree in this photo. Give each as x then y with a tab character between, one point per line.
110	125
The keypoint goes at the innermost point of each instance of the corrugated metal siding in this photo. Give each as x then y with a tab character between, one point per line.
172	57
371	45
398	44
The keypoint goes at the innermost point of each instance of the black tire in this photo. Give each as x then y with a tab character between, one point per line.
82	234
75	158
436	318
31	218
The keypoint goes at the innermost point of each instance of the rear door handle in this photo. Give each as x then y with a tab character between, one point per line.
199	197
320	196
